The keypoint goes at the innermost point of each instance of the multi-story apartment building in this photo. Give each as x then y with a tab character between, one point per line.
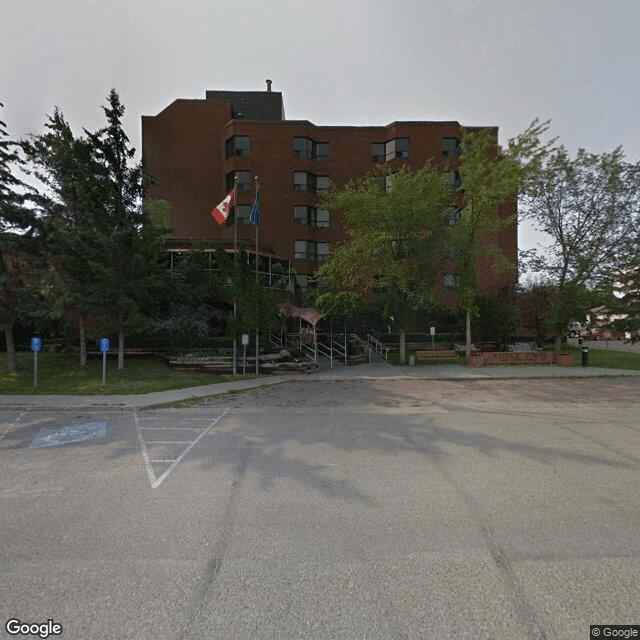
195	149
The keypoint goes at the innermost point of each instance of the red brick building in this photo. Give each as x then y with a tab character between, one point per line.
194	148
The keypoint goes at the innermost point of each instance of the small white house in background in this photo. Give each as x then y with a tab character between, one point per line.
603	319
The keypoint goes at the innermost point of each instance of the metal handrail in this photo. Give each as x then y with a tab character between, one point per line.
381	349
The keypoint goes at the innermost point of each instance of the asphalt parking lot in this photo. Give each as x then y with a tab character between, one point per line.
387	508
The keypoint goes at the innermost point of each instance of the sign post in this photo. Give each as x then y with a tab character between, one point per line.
36	345
245	344
433	333
104	347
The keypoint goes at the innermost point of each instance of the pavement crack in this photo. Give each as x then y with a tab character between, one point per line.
214	565
523	609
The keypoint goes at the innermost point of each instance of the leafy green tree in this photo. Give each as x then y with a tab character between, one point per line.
490	176
193	301
256	305
534	305
496	318
588	207
395	241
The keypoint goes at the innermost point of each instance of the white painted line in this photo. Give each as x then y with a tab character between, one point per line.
172	428
173	460
169	442
156	482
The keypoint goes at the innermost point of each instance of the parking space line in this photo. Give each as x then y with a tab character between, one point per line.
156	482
171	428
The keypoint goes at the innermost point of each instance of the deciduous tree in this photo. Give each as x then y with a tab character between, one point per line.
588	207
395	241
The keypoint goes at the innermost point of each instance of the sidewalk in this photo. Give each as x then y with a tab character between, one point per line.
372	371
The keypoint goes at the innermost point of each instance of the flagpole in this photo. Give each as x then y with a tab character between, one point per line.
235	271
258	286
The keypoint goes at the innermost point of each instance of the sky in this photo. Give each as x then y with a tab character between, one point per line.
337	62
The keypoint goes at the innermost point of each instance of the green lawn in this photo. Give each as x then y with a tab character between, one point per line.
60	373
608	358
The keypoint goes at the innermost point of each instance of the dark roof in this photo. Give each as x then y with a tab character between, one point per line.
252	105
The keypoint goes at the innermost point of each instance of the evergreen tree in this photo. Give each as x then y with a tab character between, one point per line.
69	202
126	243
19	243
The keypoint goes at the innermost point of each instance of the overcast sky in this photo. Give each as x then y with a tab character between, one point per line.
357	62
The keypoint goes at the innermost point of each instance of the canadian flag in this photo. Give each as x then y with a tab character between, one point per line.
221	212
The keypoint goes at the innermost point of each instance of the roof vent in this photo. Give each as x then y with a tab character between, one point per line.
268	85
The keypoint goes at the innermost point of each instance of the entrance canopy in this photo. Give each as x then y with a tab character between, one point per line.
309	314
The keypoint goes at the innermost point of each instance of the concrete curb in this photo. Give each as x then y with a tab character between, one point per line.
366	372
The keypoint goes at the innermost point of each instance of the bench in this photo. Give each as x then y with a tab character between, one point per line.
520	347
446	355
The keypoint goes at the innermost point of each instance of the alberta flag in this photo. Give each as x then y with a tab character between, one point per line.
221	212
254	216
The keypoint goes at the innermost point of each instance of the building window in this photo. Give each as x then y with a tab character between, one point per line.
242	211
305	181
304	216
450	148
377	152
237	146
385	151
322	219
321	152
397	148
244	180
450	282
303	147
452	180
310	250
304	250
302	281
388	182
452	215
322	251
308	148
322	184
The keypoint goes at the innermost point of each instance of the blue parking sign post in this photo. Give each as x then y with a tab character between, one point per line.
104	347
36	346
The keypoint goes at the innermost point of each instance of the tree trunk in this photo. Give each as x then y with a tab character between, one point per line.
403	354
467	345
83	340
12	364
120	349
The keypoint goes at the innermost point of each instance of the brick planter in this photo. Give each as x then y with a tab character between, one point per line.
511	357
563	359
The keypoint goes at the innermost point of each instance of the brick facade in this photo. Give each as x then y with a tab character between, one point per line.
183	148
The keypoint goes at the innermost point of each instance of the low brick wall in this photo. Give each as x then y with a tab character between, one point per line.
510	357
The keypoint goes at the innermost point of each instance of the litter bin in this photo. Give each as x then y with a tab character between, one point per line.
412	360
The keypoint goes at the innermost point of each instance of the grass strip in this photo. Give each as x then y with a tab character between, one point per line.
61	374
